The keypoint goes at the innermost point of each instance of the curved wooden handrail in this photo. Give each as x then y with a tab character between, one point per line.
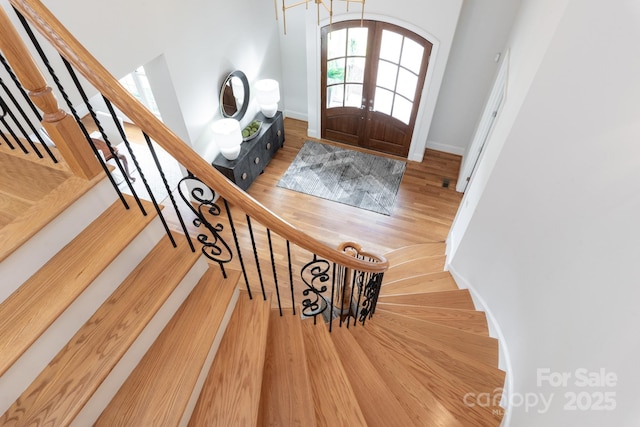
75	53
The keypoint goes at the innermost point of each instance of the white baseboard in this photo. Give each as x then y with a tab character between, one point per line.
447	148
298	115
496	332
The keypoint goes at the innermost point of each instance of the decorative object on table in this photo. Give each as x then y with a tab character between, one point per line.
268	95
226	133
346	176
326	4
251	130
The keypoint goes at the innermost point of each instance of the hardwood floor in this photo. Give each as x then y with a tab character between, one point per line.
423	212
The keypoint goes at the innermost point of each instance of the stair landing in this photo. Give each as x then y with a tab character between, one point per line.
33	193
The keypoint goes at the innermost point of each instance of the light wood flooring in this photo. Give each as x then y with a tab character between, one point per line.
424	210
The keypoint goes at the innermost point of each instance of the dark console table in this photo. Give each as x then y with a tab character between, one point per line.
255	153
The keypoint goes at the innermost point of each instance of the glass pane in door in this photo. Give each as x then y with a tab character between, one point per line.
407	83
335	71
412	56
383	102
399	66
402	109
336	44
387	75
355	70
390	46
357	45
346	62
353	95
335	96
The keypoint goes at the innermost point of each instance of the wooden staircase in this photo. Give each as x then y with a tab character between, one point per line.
118	328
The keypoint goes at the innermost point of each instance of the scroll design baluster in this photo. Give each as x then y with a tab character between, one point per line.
360	290
214	246
315	274
369	288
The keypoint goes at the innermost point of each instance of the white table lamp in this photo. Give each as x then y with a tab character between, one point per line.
268	95
228	136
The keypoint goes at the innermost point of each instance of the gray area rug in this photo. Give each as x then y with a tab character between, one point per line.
346	176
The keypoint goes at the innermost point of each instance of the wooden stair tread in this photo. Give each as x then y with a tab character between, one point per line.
11	207
483	348
378	403
465	366
334	399
35	217
421	283
415	251
65	385
231	393
286	398
147	398
460	299
29	311
35	181
419	400
46	161
471	321
413	267
443	382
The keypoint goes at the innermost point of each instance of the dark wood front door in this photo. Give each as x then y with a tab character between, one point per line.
372	79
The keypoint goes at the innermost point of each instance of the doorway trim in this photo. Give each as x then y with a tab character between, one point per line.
430	89
485	126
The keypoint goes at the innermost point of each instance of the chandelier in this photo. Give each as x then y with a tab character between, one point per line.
326	4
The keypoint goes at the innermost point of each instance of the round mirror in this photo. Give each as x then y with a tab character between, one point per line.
234	95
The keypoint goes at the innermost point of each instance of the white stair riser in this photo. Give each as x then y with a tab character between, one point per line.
42	351
195	394
110	386
32	255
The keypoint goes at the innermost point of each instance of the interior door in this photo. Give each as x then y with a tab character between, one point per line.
372	79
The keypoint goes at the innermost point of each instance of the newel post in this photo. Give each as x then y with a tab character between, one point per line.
61	127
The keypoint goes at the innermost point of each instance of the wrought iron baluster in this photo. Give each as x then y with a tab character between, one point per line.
3	120
94	116
314	274
170	193
293	298
103	133
27	121
6	140
235	238
371	293
275	273
67	100
354	275
356	291
255	254
24	93
166	184
214	246
343	290
336	270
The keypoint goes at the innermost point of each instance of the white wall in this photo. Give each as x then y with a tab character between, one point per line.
435	20
553	243
201	42
481	34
